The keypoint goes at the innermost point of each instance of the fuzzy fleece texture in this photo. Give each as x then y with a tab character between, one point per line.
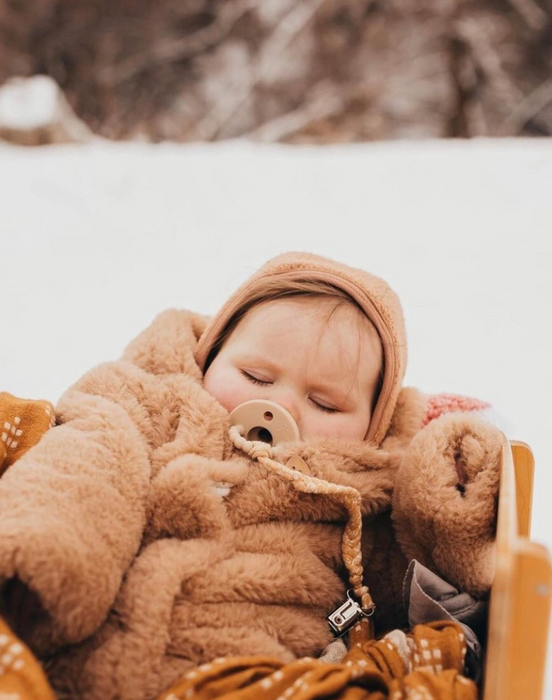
122	566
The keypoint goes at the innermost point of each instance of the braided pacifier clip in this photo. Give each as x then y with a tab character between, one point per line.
350	616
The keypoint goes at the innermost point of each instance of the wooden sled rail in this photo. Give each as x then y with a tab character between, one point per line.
521	594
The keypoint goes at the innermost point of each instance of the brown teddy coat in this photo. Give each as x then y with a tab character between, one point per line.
123	564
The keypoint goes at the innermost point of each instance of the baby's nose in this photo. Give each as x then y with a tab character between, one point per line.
287	400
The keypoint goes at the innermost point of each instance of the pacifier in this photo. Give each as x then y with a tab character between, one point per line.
265	421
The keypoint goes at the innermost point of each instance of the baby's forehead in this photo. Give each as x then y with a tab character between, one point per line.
325	312
327	322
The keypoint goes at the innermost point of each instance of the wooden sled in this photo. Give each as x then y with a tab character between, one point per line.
520	598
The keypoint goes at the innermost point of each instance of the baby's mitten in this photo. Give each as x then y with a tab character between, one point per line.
445	499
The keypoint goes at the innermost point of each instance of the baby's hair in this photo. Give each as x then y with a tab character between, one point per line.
277	288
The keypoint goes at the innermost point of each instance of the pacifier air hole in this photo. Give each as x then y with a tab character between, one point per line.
268	415
260	434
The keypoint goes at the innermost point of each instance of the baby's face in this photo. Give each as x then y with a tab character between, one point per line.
323	367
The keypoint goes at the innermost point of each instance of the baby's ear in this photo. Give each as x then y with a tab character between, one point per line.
445	499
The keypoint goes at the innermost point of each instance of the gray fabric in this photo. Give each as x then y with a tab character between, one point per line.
429	598
334	652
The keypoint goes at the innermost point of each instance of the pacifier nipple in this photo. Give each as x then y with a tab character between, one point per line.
265	421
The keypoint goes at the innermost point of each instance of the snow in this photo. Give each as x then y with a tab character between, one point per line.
28	103
98	239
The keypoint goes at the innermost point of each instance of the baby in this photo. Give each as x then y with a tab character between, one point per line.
114	527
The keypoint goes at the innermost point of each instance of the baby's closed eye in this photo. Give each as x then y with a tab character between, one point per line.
256	378
323	406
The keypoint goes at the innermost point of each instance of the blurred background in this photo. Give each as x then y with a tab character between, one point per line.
295	71
154	153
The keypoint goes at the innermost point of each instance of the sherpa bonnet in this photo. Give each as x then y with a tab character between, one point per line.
374	296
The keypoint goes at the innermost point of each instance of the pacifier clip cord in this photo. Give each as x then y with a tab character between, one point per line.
350	615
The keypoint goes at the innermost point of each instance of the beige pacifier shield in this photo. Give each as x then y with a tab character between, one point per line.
265	421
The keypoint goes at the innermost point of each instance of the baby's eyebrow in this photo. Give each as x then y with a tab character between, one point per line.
258	360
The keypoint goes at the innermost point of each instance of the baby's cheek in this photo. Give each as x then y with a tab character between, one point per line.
228	392
315	424
347	427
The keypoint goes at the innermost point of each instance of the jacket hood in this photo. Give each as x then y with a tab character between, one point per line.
374	296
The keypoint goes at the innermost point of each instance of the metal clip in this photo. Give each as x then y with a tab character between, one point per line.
344	617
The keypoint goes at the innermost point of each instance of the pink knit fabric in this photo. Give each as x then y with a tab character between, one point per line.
438	404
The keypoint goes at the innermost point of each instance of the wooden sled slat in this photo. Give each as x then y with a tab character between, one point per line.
524	468
521	594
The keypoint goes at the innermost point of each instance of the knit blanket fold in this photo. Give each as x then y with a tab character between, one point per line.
23	422
426	662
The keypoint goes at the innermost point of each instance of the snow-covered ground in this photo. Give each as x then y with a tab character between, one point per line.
96	240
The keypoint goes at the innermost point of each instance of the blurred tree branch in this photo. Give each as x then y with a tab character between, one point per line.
317	71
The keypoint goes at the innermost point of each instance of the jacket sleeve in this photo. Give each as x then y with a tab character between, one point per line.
73	508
